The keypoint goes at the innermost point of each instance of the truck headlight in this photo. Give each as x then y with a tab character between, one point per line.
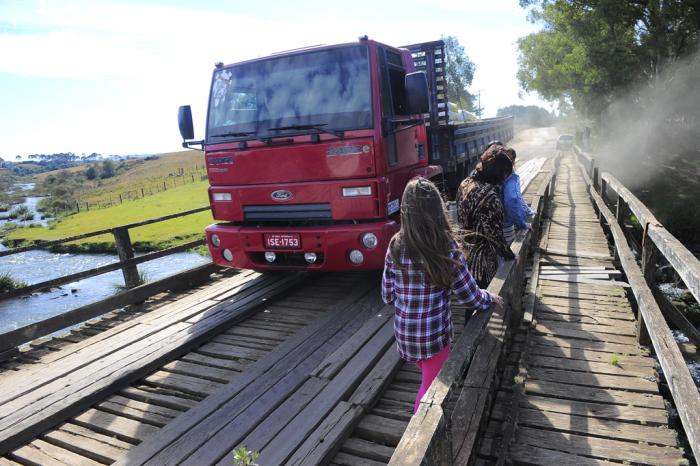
228	255
370	240
221	196
215	240
357	191
356	257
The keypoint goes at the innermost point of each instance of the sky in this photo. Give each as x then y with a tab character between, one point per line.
108	76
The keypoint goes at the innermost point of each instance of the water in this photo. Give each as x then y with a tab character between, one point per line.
37	266
31	203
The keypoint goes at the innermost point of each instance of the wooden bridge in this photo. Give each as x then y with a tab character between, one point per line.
579	365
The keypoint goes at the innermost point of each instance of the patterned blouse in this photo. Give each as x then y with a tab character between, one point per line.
423	320
480	216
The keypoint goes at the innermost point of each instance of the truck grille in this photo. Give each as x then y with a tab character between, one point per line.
287	212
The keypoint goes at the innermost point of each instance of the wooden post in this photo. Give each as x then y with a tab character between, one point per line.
622	211
650	256
126	251
596	184
120	199
142	195
603	189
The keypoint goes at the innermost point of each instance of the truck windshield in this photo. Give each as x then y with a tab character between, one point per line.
327	87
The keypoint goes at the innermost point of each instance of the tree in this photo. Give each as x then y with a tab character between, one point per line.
591	51
459	73
530	115
107	169
91	173
18	158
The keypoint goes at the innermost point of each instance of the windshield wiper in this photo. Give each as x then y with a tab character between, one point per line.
234	134
318	127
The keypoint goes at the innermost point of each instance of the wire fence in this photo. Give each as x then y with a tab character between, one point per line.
149	188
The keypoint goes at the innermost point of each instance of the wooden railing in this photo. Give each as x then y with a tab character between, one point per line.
652	306
135	291
452	412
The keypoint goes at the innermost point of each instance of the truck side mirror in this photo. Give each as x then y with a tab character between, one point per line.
417	95
184	121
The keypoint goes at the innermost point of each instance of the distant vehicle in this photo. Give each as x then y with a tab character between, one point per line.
565	142
308	151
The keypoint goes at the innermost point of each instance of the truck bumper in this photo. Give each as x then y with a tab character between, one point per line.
332	246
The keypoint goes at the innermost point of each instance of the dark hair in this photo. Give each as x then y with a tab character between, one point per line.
495	165
425	234
493	143
512	153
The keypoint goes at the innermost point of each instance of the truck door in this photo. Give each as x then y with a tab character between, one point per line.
401	141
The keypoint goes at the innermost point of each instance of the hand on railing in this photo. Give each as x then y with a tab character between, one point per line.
496	299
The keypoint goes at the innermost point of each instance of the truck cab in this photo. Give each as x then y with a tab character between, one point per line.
308	152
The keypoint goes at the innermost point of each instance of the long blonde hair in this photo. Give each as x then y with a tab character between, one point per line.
425	235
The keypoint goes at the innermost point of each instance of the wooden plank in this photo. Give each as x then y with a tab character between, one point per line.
603	346
219	408
606	411
81	388
621	368
110	424
42	452
87	443
366	449
594	380
345	459
335	361
366	394
600	447
201	371
325	441
620	328
593	393
559	331
547	312
589	355
148	417
266	430
380	429
529	454
140	293
288	440
169	401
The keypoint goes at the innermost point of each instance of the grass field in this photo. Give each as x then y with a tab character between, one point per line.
149	237
133	175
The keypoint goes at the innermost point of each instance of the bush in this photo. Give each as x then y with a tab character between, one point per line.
7	283
108	170
91	173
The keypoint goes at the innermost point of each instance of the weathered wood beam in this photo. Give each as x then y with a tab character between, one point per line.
682	387
36	330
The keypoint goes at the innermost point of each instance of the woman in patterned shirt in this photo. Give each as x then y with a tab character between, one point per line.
423	266
480	214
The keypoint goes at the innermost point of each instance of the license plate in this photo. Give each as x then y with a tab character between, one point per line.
283	240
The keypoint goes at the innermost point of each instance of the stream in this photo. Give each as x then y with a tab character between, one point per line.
38	266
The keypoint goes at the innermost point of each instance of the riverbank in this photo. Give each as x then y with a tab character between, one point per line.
152	237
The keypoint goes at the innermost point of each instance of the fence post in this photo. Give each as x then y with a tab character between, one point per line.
603	190
596	184
126	251
120	199
650	256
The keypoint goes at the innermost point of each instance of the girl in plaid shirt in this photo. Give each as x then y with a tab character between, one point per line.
423	267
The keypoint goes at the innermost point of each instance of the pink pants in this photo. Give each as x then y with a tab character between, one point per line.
429	370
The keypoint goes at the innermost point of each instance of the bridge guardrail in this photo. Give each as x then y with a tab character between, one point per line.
652	306
134	292
438	434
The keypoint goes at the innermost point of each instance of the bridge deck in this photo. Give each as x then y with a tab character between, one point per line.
585	391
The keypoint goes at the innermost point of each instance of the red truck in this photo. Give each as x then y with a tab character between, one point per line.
308	151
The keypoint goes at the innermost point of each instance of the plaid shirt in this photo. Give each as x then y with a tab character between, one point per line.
423	320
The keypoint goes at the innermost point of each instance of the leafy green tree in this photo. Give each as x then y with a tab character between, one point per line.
108	170
591	51
459	72
91	173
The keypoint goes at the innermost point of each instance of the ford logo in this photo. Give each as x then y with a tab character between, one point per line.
281	195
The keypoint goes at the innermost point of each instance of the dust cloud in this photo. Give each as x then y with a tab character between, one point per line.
655	130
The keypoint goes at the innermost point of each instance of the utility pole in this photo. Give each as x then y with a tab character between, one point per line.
478	110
